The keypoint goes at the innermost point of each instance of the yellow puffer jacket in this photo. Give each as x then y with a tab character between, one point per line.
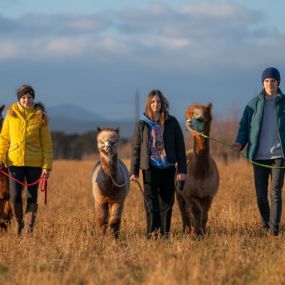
25	138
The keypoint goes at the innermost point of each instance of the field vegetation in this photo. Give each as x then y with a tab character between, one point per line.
65	247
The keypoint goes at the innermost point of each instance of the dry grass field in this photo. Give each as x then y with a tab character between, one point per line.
65	248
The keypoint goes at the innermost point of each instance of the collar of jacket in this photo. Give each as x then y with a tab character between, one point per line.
279	96
16	110
149	122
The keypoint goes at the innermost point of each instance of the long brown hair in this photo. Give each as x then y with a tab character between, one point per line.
164	105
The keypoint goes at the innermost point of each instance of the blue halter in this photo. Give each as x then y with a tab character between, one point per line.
195	124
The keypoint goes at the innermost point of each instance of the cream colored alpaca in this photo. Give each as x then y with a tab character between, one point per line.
110	182
202	178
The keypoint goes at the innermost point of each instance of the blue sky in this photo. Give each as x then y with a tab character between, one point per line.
96	54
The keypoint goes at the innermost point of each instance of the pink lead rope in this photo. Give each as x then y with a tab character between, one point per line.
42	179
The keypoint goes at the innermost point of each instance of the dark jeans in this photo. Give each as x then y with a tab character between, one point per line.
24	174
159	198
270	215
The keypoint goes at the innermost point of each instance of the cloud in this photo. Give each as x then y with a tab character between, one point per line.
193	35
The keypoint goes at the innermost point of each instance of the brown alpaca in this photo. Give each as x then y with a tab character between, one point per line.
202	178
5	207
110	182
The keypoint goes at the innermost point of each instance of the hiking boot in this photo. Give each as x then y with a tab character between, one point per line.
17	210
30	216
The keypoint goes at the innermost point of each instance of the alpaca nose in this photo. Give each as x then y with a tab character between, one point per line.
108	146
189	124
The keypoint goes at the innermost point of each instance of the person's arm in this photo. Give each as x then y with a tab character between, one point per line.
4	140
135	157
243	132
45	138
180	152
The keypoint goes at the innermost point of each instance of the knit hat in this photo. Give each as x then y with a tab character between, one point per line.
24	89
271	72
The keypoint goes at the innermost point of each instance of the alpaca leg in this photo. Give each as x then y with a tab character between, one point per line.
101	215
7	213
184	211
116	210
2	215
197	213
206	204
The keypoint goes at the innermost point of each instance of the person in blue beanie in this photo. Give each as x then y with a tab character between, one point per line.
262	129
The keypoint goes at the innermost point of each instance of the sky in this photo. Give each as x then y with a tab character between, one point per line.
99	54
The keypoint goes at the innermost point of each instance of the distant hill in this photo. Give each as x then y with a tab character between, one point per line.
72	111
72	119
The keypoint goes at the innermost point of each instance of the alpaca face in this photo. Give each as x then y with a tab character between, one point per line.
108	141
198	117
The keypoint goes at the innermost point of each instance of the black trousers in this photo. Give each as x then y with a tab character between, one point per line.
159	192
24	174
270	214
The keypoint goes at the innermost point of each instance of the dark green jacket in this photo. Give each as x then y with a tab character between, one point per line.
173	143
251	122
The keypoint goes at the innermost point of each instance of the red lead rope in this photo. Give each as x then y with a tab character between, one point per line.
43	180
44	187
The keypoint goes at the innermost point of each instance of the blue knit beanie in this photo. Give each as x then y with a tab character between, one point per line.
271	72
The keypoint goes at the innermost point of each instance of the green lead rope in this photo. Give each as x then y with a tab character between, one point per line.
241	153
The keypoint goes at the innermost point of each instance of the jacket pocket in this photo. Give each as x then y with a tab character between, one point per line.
13	147
33	147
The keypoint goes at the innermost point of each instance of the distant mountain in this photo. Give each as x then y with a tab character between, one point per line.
73	119
71	111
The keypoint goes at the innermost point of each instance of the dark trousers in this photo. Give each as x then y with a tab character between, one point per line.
159	198
270	214
28	175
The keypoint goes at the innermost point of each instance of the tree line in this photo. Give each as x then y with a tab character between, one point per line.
81	146
75	146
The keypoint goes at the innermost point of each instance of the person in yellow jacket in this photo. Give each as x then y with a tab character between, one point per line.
26	149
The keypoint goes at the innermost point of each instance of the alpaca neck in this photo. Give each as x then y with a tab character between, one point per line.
201	146
109	164
200	162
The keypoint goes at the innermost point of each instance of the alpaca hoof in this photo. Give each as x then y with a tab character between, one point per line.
115	228
187	230
3	226
103	229
200	232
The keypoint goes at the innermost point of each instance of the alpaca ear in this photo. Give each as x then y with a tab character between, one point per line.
187	112
117	130
98	130
209	107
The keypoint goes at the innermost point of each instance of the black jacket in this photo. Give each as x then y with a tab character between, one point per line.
173	143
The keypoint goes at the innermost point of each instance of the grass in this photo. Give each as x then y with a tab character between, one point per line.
66	249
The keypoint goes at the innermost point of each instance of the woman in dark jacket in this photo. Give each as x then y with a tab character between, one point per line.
158	146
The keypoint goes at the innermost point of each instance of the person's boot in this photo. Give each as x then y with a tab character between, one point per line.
152	225
274	229
17	210
165	217
30	216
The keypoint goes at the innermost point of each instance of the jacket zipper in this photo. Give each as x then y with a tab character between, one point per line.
278	127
